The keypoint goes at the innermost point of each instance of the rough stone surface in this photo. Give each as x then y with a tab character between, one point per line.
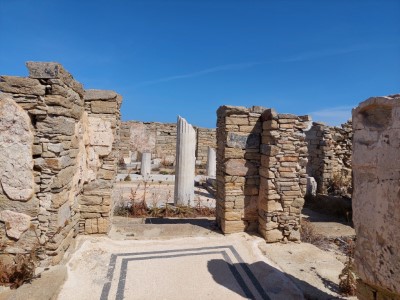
19	85
329	156
282	185
16	139
16	223
55	149
376	207
101	136
238	159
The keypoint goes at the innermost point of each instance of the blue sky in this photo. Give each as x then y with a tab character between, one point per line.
319	57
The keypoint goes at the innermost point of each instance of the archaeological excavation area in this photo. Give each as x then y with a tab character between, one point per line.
92	207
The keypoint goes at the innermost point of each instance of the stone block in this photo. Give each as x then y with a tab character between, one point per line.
16	223
233	226
92	94
16	163
243	140
272	236
104	107
20	85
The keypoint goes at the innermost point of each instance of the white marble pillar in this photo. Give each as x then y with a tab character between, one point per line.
145	168
185	163
211	163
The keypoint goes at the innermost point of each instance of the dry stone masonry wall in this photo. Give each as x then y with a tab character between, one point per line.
330	151
53	146
261	171
103	109
238	159
283	178
376	205
160	140
205	138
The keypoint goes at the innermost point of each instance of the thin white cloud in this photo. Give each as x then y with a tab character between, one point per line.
240	66
202	72
332	116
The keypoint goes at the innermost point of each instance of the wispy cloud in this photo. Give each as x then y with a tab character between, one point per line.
228	67
240	66
332	116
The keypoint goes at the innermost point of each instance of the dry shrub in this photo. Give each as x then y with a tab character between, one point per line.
22	267
308	235
19	272
340	184
347	278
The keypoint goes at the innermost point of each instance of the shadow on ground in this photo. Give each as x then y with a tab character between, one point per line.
206	223
263	278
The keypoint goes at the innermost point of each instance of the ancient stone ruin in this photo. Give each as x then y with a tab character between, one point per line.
61	147
376	206
329	155
57	161
261	176
159	139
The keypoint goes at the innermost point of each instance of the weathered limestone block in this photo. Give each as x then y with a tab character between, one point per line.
104	107
93	94
240	167
16	223
376	207
57	125
53	70
101	136
20	85
16	139
243	140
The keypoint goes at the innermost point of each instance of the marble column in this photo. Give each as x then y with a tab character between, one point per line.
145	168
185	163
211	163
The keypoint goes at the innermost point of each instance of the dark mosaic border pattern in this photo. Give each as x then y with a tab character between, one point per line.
179	253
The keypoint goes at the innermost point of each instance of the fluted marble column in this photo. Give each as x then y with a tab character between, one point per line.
145	168
185	163
211	163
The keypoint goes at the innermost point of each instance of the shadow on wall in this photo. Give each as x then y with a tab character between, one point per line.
262	281
316	154
252	179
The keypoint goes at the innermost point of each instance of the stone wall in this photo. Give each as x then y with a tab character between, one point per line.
261	175
51	150
205	138
376	205
160	140
283	178
238	159
103	108
330	151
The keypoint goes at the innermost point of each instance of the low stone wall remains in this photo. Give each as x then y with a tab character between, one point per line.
329	154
